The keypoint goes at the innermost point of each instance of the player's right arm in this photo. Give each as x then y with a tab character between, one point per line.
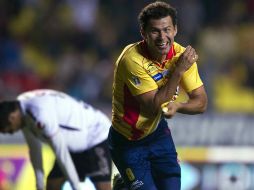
35	153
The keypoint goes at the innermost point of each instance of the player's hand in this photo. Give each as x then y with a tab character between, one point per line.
170	110
40	188
186	60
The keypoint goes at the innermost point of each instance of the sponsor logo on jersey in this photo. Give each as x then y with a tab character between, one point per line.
150	67
136	80
157	77
39	125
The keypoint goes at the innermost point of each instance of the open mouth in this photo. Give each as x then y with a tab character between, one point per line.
163	45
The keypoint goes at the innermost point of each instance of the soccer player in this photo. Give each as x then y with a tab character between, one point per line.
76	132
146	79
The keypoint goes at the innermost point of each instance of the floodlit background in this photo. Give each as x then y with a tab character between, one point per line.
71	45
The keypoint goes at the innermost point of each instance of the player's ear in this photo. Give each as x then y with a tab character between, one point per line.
175	30
11	117
14	116
142	32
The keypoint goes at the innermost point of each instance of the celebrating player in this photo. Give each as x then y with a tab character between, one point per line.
146	79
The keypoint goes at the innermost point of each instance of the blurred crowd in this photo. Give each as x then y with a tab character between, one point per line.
71	45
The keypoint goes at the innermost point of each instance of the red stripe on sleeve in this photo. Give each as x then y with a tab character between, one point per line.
131	113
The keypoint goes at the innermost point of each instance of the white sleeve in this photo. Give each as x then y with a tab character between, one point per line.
35	153
64	159
47	125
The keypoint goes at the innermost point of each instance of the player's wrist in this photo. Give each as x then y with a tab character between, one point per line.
178	71
39	186
175	72
179	106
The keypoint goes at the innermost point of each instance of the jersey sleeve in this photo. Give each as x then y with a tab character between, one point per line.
136	78
191	79
50	129
47	123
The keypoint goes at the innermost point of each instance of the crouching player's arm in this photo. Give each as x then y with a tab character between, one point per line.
64	159
35	153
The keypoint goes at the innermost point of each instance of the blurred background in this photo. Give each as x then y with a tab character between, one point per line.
71	45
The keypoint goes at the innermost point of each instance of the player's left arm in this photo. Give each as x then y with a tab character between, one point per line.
196	104
64	159
35	154
48	121
197	101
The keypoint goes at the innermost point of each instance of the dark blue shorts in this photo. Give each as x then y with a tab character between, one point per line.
147	164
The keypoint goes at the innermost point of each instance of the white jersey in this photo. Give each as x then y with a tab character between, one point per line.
63	122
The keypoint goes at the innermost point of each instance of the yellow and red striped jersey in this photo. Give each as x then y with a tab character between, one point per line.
136	74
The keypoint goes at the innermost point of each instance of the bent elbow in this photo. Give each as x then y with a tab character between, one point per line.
202	110
203	107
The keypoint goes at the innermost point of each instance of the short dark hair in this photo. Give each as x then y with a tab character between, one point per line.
6	107
156	10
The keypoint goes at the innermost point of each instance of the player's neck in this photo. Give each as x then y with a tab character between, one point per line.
149	53
158	59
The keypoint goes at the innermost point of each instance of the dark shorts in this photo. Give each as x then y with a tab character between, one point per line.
150	163
94	163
